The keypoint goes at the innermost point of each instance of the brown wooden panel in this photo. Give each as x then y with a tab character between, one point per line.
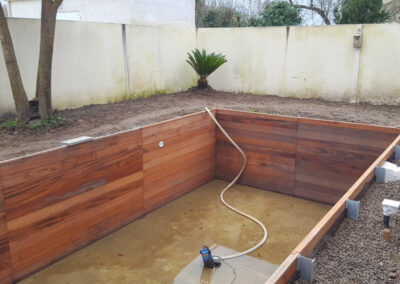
48	180
186	161
330	158
323	226
5	260
269	143
58	201
312	159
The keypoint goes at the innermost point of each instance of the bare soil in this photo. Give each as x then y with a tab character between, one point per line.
97	120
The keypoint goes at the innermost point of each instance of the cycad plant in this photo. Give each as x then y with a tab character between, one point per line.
204	64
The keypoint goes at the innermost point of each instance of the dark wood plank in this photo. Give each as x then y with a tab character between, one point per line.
186	161
105	160
269	143
5	260
40	238
60	200
330	158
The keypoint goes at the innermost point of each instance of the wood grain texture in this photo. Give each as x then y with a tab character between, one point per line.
5	260
59	201
269	143
311	159
186	161
331	157
55	202
285	271
288	268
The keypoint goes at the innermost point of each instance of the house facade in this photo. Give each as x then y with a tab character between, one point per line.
146	12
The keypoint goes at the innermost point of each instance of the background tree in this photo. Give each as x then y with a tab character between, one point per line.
393	10
17	86
323	8
277	14
360	12
47	32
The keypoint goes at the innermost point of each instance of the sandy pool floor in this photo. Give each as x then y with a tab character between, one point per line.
154	249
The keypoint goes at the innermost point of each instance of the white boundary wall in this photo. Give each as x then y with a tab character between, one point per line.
309	62
101	63
90	65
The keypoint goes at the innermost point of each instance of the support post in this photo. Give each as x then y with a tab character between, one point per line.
352	209
306	267
397	152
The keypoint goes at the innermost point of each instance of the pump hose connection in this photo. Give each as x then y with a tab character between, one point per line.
216	258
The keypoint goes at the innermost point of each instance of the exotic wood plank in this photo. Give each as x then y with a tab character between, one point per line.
329	153
269	143
186	160
288	268
107	159
66	198
285	271
319	231
5	260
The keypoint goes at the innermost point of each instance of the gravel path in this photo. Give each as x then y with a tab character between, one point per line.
357	253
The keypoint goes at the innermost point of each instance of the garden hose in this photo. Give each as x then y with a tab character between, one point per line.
233	208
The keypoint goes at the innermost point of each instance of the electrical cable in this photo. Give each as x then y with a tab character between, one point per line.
233	208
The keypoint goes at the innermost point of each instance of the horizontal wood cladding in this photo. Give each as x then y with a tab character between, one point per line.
331	157
270	146
54	203
5	260
312	159
58	201
186	160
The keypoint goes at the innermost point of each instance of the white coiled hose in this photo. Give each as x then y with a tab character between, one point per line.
231	207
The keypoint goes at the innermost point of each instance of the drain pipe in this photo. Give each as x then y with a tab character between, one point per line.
216	258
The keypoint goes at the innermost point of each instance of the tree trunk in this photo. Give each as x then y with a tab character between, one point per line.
319	11
47	32
202	83
17	86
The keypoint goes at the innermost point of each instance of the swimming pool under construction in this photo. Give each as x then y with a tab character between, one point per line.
137	206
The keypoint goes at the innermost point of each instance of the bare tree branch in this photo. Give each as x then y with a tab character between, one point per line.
311	7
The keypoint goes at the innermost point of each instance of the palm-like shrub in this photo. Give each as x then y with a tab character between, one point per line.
204	64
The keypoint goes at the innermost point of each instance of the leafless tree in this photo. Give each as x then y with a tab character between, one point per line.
17	86
47	32
324	8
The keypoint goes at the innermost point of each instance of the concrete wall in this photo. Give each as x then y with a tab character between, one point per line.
99	63
308	62
177	12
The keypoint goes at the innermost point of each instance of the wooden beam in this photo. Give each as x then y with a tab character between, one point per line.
287	269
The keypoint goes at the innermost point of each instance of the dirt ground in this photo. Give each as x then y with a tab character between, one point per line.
97	120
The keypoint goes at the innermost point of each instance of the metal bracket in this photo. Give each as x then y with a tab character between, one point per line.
306	267
389	172
380	174
397	152
353	207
